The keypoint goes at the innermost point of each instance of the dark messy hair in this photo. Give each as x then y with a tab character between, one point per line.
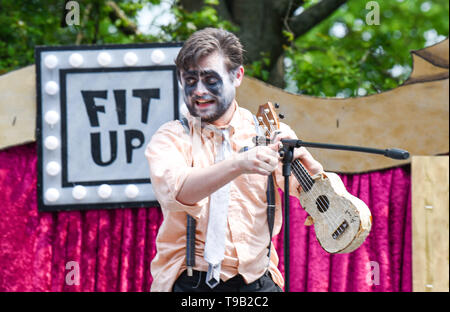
207	41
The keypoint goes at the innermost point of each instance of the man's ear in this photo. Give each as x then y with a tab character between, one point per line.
238	76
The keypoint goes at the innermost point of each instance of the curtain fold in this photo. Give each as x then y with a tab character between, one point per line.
111	250
382	263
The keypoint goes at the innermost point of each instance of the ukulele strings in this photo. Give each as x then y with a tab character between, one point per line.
302	177
301	171
309	184
311	193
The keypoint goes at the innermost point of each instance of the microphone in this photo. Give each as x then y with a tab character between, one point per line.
396	153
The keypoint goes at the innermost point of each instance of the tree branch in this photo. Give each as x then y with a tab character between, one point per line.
302	23
128	27
287	7
97	22
87	11
222	8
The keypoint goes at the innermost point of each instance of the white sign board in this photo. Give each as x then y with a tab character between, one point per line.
97	108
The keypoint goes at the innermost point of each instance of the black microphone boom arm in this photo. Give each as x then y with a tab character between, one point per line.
394	153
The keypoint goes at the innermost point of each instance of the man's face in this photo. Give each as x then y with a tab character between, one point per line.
209	88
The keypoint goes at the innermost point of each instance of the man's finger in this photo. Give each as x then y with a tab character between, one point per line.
275	146
266	166
274	134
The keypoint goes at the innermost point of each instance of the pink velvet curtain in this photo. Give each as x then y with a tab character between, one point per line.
113	248
382	263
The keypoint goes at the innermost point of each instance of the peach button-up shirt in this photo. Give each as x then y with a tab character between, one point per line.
172	154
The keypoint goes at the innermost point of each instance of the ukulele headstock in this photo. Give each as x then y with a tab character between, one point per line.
267	118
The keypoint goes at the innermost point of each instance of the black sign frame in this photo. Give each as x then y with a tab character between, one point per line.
39	136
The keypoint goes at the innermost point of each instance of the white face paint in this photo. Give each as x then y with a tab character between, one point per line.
209	88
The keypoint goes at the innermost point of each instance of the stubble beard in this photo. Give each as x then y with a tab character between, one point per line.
221	105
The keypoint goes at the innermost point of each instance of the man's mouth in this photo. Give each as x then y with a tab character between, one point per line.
204	103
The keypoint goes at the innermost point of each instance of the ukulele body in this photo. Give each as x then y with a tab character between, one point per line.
341	220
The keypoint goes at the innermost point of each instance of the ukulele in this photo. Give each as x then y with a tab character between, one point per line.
341	220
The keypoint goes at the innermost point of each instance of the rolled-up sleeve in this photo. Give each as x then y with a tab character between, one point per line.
168	155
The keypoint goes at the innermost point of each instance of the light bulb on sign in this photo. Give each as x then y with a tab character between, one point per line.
51	88
50	61
76	60
104	191
104	59
52	195
131	191
79	192
53	168
51	142
158	56
130	58
51	117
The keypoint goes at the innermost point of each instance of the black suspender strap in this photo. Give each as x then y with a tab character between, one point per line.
270	194
190	244
184	122
190	225
270	208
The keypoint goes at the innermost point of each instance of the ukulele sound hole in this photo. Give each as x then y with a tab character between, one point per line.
322	203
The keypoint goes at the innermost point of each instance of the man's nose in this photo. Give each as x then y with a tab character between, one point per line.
201	89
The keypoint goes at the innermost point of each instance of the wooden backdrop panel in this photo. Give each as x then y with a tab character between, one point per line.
18	107
430	222
414	116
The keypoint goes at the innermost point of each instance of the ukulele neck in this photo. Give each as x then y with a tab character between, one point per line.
302	175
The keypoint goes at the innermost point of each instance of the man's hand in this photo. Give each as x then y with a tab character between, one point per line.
260	160
202	182
312	165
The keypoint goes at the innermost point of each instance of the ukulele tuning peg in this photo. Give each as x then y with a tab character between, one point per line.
281	116
277	105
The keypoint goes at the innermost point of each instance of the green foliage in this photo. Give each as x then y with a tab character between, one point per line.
258	69
26	24
189	22
322	64
317	63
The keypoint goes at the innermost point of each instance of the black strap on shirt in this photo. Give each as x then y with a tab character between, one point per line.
270	208
190	224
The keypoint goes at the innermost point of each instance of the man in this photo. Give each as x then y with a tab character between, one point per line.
204	173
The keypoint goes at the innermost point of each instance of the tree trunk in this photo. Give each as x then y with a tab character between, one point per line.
261	24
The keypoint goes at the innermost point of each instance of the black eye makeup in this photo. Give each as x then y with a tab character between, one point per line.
190	77
190	81
211	80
